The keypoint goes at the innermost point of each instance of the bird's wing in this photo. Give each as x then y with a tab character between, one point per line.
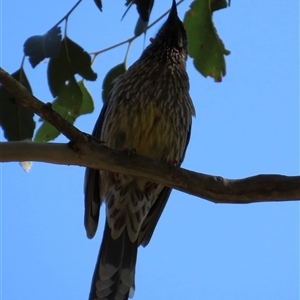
92	187
156	210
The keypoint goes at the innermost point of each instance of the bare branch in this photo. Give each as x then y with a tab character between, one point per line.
85	151
260	188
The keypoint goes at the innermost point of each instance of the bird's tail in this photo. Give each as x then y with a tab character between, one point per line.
113	277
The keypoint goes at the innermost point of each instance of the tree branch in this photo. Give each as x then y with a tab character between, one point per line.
258	188
85	151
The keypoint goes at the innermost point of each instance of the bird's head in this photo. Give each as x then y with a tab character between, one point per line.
170	43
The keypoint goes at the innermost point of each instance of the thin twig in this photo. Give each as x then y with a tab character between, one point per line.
130	40
67	15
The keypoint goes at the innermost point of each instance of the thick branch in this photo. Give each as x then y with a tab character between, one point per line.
258	188
88	152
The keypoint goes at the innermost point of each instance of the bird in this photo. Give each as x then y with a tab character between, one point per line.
149	112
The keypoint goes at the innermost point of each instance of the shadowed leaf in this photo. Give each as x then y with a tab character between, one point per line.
140	27
17	121
98	4
72	60
144	8
39	47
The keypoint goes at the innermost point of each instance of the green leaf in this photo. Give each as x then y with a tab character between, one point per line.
87	100
48	132
205	46
218	4
72	60
108	81
39	47
16	121
70	95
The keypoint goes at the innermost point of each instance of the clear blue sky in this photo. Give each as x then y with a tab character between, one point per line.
246	125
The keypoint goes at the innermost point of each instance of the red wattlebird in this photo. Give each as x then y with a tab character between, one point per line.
149	111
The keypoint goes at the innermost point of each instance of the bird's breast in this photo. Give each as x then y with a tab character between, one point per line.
152	130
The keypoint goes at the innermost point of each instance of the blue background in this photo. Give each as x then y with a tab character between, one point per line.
246	125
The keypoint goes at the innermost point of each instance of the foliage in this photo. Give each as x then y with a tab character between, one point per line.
67	58
205	46
17	121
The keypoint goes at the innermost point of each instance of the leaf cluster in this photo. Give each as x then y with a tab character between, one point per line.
67	60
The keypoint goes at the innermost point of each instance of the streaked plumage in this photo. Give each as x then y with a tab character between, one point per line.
149	110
